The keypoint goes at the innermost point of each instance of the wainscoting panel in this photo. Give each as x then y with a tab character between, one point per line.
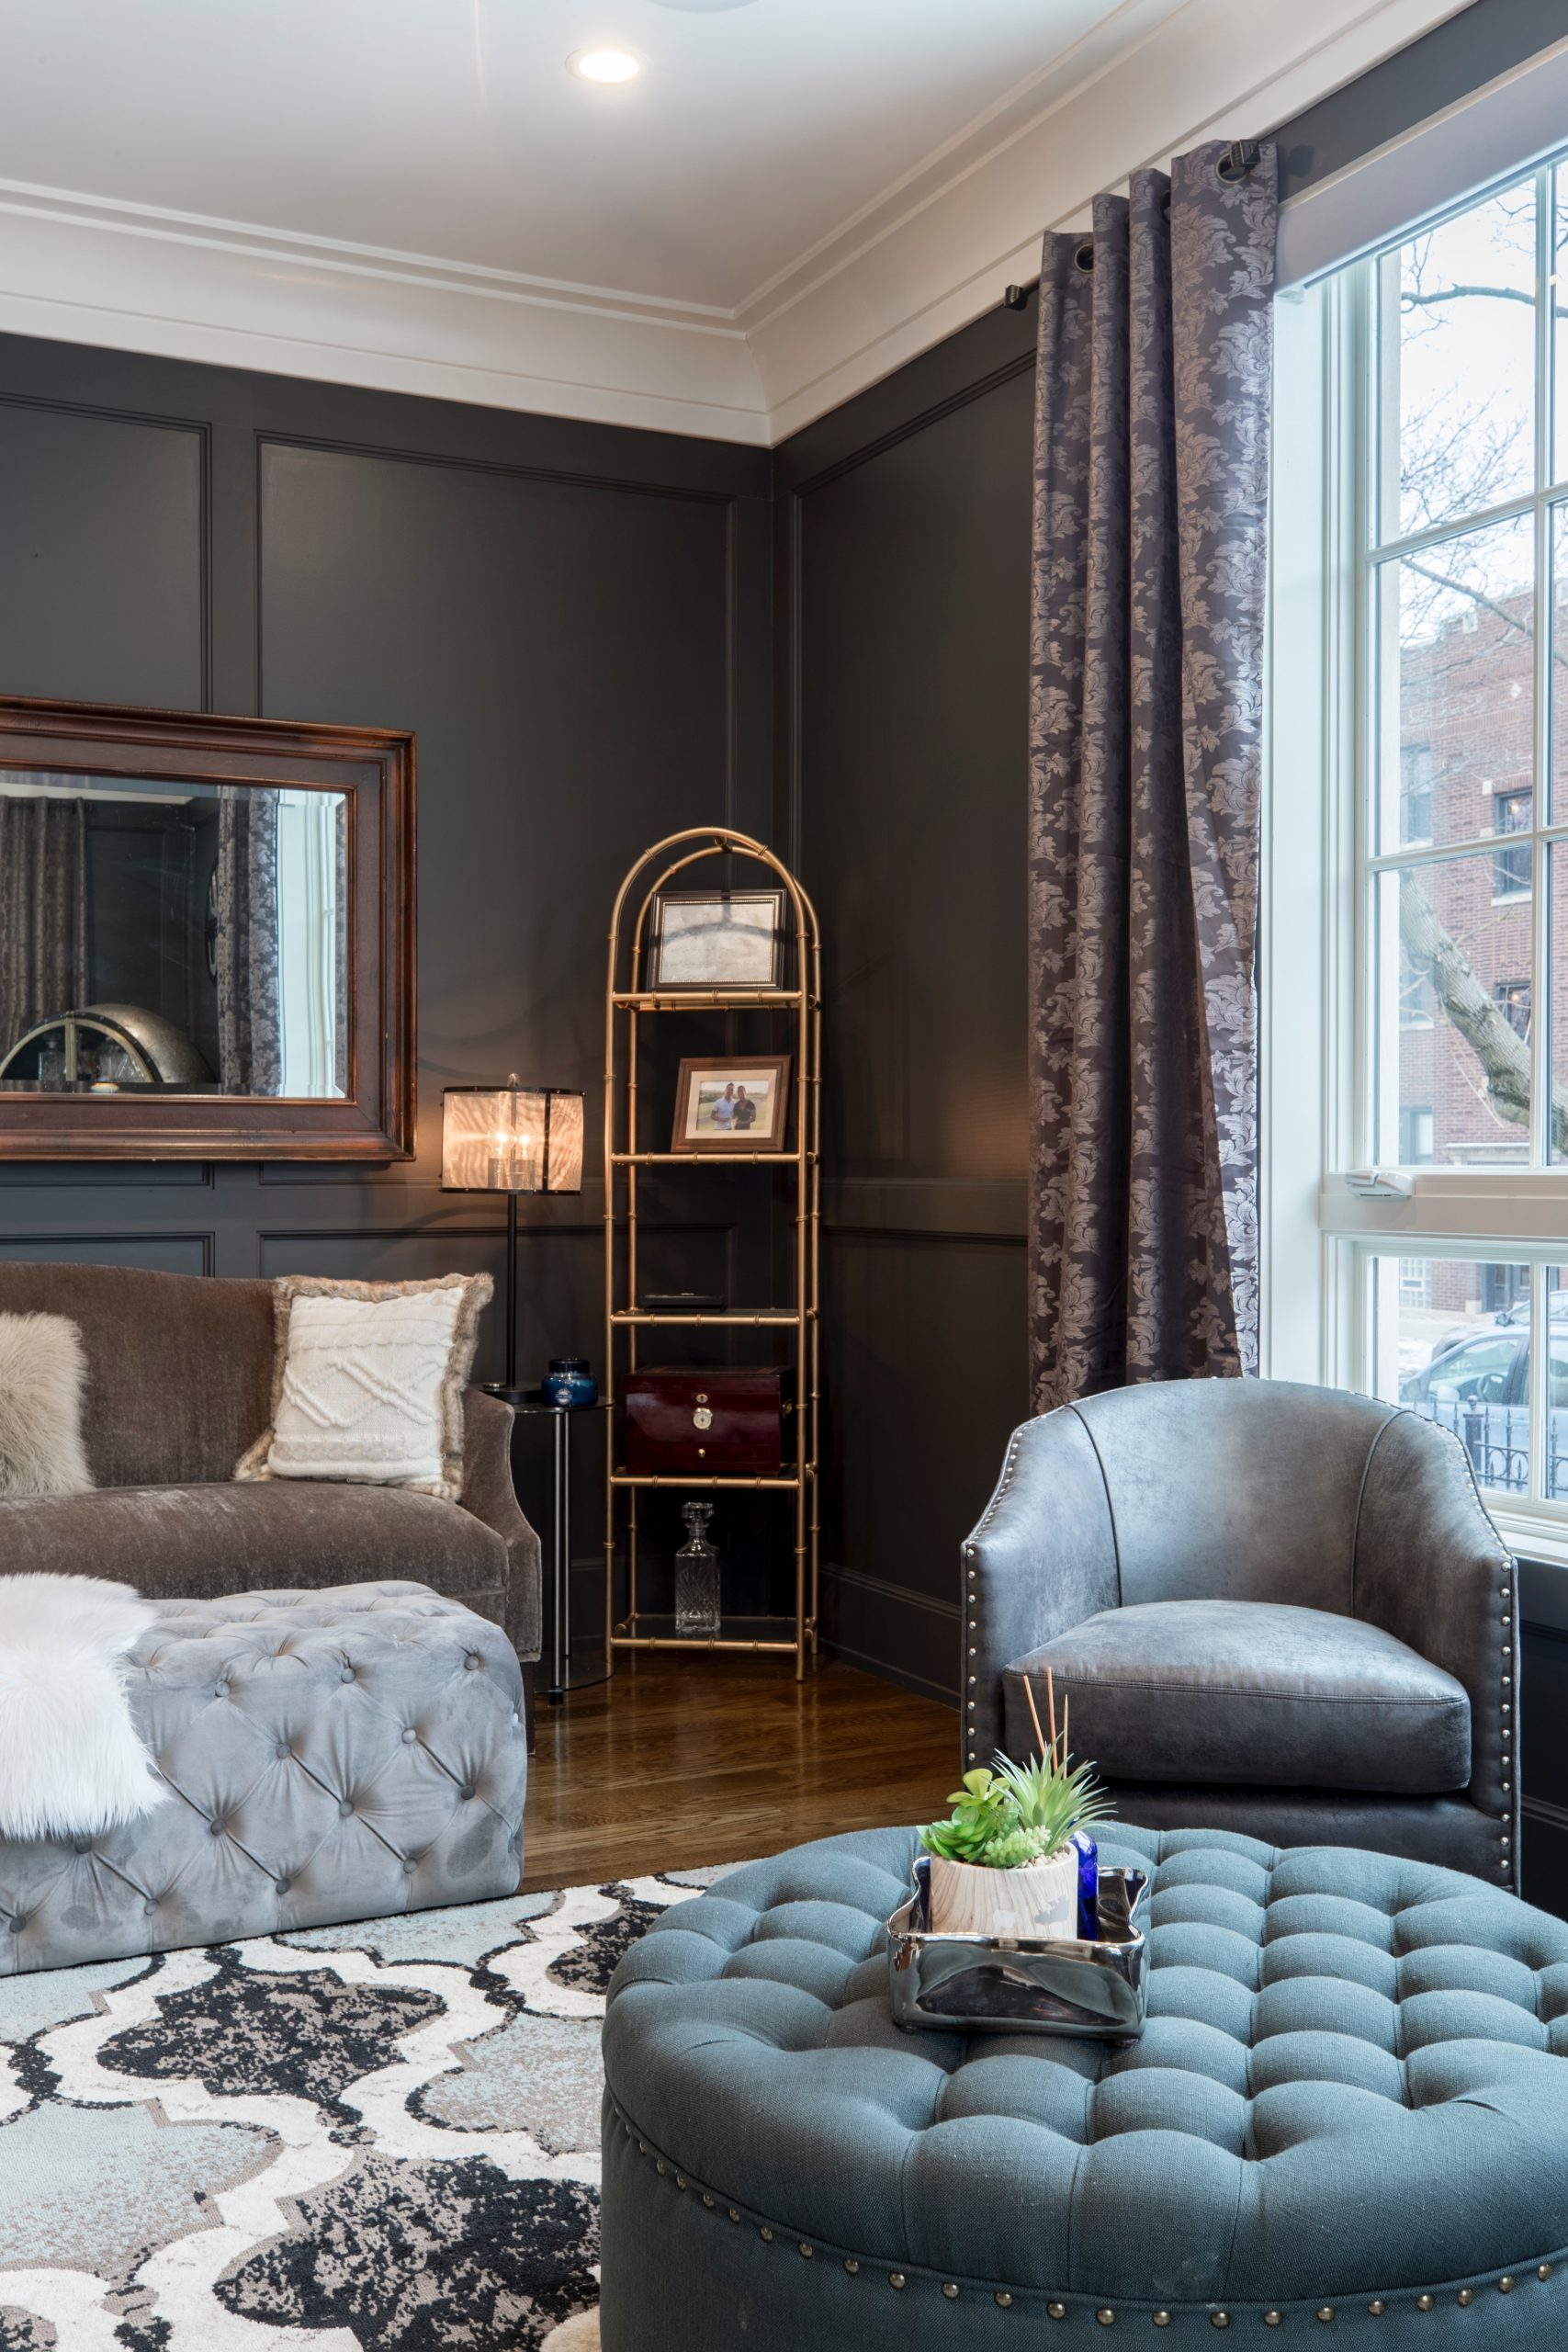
102	555
574	620
903	583
158	1254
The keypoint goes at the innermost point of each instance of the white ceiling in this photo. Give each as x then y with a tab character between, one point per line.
792	197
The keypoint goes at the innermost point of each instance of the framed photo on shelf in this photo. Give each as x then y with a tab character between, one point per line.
716	939
738	1103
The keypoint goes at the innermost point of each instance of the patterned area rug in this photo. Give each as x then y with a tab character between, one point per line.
380	2136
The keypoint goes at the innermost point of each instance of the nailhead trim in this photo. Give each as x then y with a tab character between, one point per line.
1425	2301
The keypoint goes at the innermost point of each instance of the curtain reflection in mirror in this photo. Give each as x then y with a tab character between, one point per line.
44	909
250	1007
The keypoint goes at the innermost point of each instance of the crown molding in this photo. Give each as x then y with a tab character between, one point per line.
137	278
928	255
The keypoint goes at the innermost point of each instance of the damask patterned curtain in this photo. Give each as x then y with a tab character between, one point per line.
43	909
1146	658
250	1005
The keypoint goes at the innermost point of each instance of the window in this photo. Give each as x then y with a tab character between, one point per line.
1415	791
1420	576
1513	998
1414	1135
1511	867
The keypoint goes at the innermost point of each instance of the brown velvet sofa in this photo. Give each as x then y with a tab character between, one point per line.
179	1384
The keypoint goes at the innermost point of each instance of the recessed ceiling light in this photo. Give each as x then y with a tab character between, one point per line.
603	65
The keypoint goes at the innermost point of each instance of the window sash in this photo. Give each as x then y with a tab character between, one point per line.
1319	970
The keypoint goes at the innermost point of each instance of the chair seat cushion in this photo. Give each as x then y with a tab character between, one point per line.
176	1542
1252	1691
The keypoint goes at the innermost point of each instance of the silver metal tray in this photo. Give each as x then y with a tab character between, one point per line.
1093	1992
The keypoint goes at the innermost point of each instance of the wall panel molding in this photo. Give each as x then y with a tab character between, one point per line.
574	618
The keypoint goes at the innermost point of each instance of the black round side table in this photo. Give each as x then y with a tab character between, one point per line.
529	1404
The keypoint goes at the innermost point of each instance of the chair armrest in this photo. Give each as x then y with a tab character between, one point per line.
1042	1559
1430	1568
489	1494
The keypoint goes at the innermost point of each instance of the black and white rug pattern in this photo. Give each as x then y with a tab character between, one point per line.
383	2136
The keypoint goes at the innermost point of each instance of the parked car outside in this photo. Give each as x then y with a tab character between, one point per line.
1477	1384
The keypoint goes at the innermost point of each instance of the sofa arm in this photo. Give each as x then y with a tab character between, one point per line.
1430	1568
1042	1559
487	1493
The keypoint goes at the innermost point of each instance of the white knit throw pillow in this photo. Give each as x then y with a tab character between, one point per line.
368	1383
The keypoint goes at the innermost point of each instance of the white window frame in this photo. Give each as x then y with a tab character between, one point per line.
1321	1243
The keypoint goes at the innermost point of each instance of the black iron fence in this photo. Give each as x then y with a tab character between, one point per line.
1497	1440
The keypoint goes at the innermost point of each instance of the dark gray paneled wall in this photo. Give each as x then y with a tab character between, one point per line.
903	663
574	618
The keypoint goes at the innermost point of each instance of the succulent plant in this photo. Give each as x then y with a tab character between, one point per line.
1020	1813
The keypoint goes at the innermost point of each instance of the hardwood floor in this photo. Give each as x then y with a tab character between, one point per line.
680	1762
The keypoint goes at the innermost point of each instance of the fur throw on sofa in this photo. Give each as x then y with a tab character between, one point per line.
72	1763
42	1374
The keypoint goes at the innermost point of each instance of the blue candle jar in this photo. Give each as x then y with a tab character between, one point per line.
570	1382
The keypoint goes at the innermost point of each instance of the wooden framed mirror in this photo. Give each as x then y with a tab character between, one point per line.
206	937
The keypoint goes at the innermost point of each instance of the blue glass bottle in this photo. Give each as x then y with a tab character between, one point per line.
570	1382
1088	1886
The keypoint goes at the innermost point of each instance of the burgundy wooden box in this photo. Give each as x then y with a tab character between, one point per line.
684	1422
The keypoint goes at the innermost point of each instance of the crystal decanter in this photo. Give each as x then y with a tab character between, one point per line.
696	1576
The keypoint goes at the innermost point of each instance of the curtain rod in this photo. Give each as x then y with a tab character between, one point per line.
1243	155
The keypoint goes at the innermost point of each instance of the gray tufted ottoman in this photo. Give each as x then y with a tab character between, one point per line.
334	1755
1346	2120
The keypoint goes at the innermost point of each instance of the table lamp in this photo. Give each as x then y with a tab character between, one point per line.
511	1139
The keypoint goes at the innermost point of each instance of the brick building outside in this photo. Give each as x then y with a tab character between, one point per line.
1467	775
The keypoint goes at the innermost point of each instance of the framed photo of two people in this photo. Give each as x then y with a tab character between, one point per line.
739	1103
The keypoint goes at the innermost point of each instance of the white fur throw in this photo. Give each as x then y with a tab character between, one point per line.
369	1380
43	1373
72	1764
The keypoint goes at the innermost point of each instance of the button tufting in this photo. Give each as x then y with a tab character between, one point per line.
409	1866
215	1829
468	1792
81	1845
346	1674
473	1661
281	1750
345	1806
410	1736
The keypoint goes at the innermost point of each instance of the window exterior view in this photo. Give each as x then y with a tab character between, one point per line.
1455	455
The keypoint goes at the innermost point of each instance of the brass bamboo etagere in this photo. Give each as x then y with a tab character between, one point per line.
627	1003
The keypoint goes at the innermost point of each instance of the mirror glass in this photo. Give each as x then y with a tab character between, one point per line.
180	937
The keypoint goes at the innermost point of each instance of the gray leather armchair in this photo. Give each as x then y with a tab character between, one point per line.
1274	1609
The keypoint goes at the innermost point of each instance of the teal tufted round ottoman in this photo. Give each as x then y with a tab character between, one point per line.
1346	2122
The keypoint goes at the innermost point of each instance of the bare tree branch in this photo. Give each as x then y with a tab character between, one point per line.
1504	1055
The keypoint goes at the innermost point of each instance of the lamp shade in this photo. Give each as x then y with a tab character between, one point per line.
511	1139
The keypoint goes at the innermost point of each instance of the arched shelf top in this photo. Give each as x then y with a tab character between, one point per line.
681	851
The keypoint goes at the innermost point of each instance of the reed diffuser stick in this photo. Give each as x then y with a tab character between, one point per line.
1034	1718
